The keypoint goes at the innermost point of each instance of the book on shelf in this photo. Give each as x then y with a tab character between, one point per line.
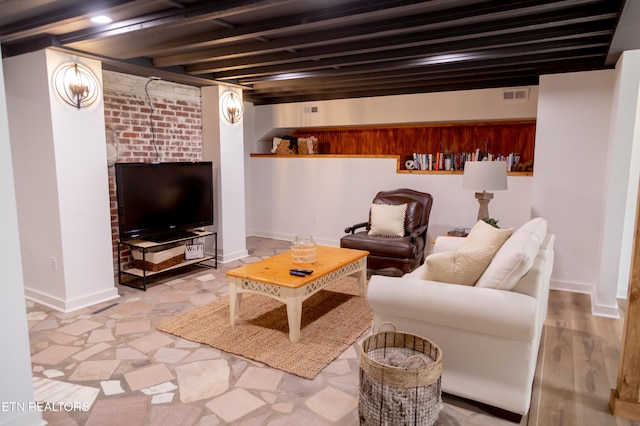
435	161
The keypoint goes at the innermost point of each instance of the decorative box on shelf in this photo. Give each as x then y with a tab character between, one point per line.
194	251
158	260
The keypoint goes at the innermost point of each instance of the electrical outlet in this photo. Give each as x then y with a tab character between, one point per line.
315	218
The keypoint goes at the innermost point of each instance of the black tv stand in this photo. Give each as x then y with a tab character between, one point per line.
173	236
145	246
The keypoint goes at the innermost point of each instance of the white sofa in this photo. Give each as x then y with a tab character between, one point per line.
489	337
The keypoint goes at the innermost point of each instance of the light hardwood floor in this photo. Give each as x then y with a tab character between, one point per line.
577	365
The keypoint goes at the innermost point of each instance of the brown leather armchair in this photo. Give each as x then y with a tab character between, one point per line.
403	253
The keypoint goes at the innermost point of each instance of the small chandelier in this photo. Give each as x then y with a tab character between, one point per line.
232	107
76	85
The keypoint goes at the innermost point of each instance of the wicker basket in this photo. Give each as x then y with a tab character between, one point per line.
284	147
158	259
406	394
308	146
155	267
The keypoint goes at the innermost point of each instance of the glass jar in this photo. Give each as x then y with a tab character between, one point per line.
303	249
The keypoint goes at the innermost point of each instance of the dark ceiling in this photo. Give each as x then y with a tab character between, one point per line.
301	50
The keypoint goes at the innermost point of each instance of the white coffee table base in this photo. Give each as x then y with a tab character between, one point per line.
293	297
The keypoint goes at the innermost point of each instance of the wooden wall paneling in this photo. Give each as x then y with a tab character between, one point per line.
497	137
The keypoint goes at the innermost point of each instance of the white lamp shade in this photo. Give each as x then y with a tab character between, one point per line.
485	175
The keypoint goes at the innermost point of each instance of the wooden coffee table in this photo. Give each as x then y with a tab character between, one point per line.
270	277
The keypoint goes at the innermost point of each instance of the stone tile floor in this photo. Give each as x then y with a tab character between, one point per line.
109	360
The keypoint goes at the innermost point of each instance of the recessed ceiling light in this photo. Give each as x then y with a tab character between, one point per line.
102	19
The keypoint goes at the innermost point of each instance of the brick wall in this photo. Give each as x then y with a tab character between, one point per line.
170	116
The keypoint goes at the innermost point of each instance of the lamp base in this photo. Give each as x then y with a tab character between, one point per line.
483	198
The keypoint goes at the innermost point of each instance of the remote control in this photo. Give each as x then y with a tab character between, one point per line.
304	271
297	273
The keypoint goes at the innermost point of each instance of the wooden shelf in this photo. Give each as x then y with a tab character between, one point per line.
324	156
144	244
396	157
140	273
402	141
452	172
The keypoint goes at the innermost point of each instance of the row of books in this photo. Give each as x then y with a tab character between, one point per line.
439	161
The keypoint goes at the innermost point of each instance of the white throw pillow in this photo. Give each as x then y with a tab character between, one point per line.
458	267
515	257
387	220
483	234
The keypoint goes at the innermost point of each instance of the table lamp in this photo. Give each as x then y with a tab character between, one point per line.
484	176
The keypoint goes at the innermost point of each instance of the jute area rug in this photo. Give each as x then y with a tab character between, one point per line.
332	320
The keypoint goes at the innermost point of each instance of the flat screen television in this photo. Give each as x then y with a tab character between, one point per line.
163	201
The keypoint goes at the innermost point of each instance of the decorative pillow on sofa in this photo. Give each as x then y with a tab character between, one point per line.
483	234
458	267
387	220
515	257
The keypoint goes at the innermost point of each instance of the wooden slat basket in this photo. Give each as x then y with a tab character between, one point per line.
400	377
308	146
283	146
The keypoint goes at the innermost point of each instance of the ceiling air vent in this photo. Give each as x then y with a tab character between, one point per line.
512	95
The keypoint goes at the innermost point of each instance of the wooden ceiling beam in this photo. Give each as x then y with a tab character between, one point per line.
342	15
171	18
427	48
452	86
413	59
47	22
537	26
457	17
374	81
411	77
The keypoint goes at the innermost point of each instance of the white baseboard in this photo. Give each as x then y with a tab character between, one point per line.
605	311
272	235
66	306
571	287
622	293
597	310
226	258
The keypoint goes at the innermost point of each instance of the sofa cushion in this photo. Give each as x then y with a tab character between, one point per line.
414	213
387	220
482	234
515	257
458	267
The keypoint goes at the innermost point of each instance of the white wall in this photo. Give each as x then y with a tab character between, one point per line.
36	185
249	136
623	173
572	137
322	196
223	143
464	105
62	188
586	171
15	368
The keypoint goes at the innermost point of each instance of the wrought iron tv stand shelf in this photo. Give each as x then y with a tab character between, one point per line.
145	246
